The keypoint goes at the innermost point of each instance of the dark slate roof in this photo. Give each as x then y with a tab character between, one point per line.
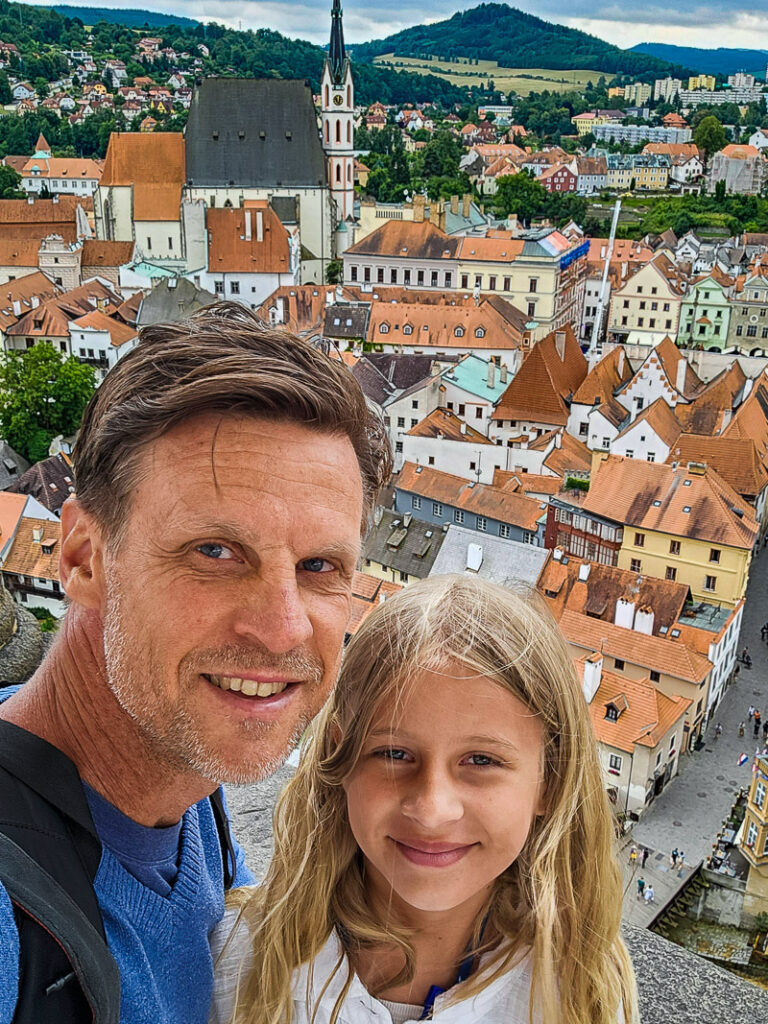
286	208
375	385
253	132
345	321
173	299
12	467
50	481
411	549
401	369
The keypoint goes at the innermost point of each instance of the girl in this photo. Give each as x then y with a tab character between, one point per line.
446	849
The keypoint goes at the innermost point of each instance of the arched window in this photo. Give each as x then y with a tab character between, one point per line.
327	97
327	133
459	332
480	332
338	131
349	131
384	329
349	172
338	172
349	95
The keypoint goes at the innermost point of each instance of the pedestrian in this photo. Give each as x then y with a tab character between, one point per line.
751	712
640	887
745	655
762	632
758	716
633	856
645	855
719	731
648	894
756	728
674	858
213	420
681	857
765	729
741	728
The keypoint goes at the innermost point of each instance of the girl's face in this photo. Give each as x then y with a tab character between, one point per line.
447	785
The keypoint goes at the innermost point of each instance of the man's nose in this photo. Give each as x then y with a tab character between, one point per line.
432	799
274	613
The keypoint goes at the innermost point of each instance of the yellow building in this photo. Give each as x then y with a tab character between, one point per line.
651	172
646	309
590	119
753	840
616	90
681	523
701	82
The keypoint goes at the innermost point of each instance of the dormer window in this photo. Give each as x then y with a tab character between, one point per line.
384	329
458	332
480	332
407	329
611	712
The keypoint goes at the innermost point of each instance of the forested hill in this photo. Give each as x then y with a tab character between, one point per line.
721	61
513	39
122	16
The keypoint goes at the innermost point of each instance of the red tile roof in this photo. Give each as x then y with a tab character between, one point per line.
545	382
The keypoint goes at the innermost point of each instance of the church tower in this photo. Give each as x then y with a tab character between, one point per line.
338	106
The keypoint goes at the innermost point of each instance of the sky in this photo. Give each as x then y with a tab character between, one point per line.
707	23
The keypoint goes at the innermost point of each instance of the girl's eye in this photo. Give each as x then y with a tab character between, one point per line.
481	760
217	552
391	754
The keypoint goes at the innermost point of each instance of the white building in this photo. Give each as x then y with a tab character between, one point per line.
450	444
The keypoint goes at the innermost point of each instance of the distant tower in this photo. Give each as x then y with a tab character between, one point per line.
338	106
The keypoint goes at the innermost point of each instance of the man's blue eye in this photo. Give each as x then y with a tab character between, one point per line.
214	550
316	565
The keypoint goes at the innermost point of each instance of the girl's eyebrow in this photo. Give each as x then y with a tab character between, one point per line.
403	734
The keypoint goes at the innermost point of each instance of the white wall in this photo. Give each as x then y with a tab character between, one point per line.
462	458
639	441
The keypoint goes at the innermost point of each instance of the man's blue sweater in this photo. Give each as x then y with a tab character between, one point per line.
160	943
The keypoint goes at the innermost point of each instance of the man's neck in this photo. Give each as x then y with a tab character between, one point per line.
69	703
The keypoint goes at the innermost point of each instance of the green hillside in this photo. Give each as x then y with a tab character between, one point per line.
496	32
121	16
721	61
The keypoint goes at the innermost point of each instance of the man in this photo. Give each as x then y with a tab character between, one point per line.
223	473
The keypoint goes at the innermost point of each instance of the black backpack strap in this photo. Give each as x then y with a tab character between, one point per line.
32	890
225	837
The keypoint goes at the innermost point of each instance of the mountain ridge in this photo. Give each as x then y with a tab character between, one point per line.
720	61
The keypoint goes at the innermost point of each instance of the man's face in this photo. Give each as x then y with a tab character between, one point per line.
228	594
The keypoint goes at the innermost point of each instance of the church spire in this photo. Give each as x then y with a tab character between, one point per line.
336	54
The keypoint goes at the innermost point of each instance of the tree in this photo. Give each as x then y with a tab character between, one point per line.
41	396
709	135
10	183
522	195
5	90
41	87
333	271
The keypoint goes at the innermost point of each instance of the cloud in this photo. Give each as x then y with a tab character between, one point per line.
705	22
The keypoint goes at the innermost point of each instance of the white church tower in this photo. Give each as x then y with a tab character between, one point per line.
338	106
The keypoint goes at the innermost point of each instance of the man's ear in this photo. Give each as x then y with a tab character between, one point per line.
80	561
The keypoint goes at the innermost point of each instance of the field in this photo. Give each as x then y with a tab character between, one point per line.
519	80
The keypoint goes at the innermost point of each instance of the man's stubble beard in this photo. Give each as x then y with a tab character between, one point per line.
171	734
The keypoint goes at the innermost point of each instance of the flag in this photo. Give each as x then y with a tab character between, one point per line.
743	758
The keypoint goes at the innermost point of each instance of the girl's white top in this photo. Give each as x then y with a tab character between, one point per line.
504	1001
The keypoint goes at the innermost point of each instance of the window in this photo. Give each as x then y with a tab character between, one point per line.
406	277
170	242
431	460
640	321
710	582
614	763
234	287
218	287
629	453
433	279
714	555
149	242
482	523
401	421
448	279
403	576
625	304
634	565
532	284
465	280
393	276
437	508
667	324
639	540
751	834
492	283
415	502
480	332
398	446
458	332
655	676
458	516
407	329
366	274
420	277
353	273
414	423
642	305
583	429
504	530
674	547
478	280
611	713
384	329
665	307
760	794
670	573
414	403
462	409
618	664
623	321
507	284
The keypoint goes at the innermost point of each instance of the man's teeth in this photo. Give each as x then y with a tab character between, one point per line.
248	687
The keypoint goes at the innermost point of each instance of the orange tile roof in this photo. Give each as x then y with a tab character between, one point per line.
154	164
98	253
11	509
26	556
545	382
119	332
736	459
625	250
654	653
572	456
446	424
21	219
598	387
23	290
19	252
231	251
51	318
404	238
561	584
435	325
737	152
669	355
526	483
713	404
661	419
654	496
61	167
751	420
648	717
482	499
685	149
490	249
367	592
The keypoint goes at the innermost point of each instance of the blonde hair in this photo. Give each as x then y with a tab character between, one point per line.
563	894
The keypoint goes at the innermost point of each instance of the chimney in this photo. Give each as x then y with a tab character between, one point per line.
593	671
625	613
407	519
491	374
455	205
682	368
419	203
560	344
559	439
621	361
466	200
463	427
503	373
644	620
16	307
584	571
437	215
247	225
259	226
557	554
283	310
31	200
37	534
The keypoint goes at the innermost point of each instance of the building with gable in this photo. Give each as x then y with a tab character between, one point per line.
338	129
705	314
473	388
646	308
452	445
748	323
65	175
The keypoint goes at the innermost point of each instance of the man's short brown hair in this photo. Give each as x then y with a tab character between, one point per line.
224	359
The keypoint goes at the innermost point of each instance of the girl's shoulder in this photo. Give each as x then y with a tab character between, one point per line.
231	946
